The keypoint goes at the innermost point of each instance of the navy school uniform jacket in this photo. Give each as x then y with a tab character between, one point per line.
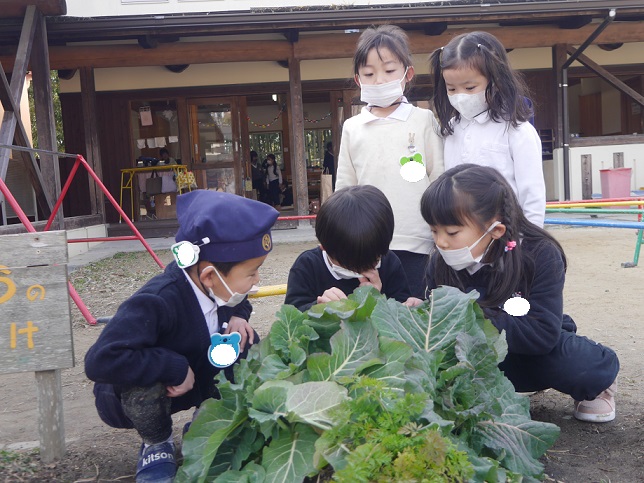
538	331
309	277
155	335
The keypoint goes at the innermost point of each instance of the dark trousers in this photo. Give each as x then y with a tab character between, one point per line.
576	366
146	409
274	192
415	265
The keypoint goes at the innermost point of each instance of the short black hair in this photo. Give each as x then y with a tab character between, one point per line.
355	226
164	150
225	267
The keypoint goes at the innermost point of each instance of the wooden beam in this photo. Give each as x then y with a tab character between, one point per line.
310	47
610	78
23	54
12	129
168	54
45	119
17	8
92	139
298	150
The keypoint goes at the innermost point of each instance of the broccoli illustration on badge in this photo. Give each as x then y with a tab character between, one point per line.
412	168
224	349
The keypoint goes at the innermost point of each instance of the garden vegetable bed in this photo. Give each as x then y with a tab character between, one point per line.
604	299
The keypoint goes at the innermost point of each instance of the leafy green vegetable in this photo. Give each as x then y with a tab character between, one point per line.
374	390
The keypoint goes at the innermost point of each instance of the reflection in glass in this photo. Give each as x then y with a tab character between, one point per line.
221	179
215	133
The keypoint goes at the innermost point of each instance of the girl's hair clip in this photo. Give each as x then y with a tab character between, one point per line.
478	46
509	246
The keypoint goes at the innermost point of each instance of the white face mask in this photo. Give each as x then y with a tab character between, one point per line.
382	95
469	105
462	257
339	272
235	298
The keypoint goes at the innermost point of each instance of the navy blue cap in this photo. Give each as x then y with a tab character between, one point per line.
236	228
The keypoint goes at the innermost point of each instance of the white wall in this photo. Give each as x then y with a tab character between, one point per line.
133	78
602	158
97	8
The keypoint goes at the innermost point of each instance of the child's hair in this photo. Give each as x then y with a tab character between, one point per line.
389	36
164	150
480	195
506	91
254	155
355	226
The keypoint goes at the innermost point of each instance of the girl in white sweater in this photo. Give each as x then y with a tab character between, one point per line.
392	144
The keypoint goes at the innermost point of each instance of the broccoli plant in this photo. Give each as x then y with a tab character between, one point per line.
366	389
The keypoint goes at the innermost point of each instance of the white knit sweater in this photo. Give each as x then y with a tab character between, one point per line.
370	153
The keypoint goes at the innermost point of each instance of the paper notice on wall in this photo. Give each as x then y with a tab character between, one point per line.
146	116
140	143
173	139
160	142
151	143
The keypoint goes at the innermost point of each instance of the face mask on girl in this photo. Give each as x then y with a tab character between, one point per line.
462	257
340	272
469	105
382	95
235	297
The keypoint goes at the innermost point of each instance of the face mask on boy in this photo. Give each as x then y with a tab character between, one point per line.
462	257
382	95
339	272
235	297
469	105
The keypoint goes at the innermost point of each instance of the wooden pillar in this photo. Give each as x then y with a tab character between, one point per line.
92	141
244	148
347	109
559	56
184	131
45	120
12	129
51	426
336	126
298	155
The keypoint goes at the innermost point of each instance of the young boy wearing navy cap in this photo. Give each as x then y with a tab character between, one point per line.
154	357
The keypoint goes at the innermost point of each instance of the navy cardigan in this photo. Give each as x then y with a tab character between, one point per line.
155	335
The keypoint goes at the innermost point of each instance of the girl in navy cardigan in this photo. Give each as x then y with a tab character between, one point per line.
485	243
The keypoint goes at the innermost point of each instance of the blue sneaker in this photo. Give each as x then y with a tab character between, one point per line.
156	463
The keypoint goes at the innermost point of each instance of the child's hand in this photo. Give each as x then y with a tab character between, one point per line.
331	294
237	324
184	387
412	302
371	278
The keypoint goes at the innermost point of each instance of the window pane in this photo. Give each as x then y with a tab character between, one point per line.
215	133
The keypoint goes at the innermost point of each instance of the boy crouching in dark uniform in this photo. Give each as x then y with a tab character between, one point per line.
153	358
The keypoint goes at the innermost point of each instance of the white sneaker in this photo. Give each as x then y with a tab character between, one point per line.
599	410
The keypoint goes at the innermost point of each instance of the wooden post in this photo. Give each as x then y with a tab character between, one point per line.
45	120
586	176
51	427
36	334
559	56
618	160
336	126
92	139
298	156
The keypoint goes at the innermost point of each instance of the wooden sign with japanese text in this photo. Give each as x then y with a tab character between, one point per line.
35	317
